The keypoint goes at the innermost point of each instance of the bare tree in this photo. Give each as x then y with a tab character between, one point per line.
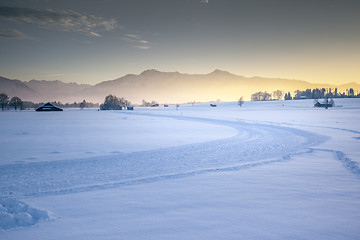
83	104
261	96
241	101
4	100
16	102
278	94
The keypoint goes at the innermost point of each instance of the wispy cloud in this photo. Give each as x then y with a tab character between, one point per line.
69	21
137	41
14	34
141	47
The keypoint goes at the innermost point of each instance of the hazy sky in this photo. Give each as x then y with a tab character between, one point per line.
95	40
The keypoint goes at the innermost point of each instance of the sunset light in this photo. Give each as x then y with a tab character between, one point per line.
179	119
91	42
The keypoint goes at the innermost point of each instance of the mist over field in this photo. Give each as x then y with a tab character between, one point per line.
163	87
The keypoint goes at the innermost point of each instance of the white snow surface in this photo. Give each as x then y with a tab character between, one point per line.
47	136
14	213
267	170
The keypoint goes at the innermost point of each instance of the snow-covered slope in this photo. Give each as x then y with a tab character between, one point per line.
267	170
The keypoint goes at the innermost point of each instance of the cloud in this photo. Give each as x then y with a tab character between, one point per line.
68	21
141	47
14	34
204	1
137	41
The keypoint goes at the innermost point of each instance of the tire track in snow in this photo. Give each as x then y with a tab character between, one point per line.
349	164
254	145
165	177
314	126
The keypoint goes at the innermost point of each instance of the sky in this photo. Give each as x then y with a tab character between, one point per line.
97	40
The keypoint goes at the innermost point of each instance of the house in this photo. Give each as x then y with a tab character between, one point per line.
326	104
130	107
47	107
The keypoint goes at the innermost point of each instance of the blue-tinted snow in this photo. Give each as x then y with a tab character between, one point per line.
270	170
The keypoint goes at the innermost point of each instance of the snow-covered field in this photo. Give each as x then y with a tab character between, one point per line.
267	170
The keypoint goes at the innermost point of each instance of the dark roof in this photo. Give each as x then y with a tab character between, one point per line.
48	107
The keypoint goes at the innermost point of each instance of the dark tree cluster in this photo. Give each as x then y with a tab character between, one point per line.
17	103
114	103
287	96
14	102
324	93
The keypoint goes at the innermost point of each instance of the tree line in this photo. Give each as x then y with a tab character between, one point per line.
324	93
113	102
265	96
14	102
317	93
81	105
17	103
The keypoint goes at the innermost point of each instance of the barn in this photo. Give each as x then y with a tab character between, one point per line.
47	107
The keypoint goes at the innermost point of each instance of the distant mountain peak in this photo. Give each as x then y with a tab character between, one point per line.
169	87
33	82
149	72
217	72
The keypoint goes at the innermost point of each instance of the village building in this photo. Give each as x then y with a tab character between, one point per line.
47	107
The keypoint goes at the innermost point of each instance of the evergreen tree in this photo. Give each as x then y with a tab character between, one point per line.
288	96
351	92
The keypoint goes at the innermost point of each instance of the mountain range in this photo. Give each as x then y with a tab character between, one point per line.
163	87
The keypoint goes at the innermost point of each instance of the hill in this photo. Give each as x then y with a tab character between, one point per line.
164	87
56	90
17	88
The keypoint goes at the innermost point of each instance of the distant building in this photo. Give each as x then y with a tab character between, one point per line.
130	107
326	104
212	105
47	107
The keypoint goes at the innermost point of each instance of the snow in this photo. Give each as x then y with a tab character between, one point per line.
267	170
14	213
50	136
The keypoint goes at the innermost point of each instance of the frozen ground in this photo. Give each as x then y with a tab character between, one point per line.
270	170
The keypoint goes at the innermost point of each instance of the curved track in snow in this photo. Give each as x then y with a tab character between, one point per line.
254	145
